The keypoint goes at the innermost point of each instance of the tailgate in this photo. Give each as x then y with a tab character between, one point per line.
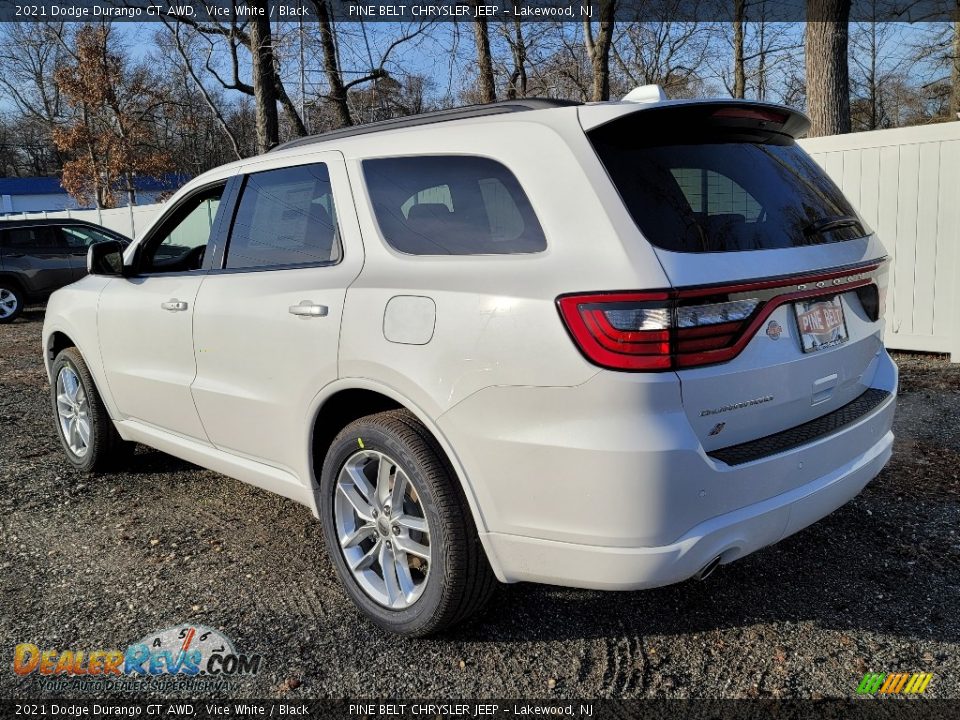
774	311
811	348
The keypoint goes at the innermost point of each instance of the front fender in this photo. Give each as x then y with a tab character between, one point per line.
72	311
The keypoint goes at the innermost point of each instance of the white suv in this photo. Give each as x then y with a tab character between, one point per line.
607	346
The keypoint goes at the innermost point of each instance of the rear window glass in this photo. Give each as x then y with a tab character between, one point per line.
451	205
721	192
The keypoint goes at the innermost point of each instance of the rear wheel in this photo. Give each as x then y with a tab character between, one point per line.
398	528
86	432
11	301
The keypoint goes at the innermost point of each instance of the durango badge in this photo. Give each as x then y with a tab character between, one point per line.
774	330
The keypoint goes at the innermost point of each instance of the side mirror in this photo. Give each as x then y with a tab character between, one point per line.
105	258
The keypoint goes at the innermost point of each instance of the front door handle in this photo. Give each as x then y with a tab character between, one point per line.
174	305
306	308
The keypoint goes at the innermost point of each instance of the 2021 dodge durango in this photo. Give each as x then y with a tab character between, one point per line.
608	346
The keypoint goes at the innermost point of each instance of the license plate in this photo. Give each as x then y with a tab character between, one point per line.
821	323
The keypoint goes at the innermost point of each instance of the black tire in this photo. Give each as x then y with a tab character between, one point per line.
460	581
10	294
106	450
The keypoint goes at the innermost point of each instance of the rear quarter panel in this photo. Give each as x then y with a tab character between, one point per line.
496	320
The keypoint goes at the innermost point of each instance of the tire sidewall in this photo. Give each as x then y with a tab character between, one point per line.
20	300
409	620
70	358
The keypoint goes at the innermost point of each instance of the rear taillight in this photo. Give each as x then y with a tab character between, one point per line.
652	331
690	327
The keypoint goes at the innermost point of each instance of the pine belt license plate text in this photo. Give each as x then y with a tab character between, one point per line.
821	323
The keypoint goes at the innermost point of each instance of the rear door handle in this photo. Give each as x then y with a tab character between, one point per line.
174	305
307	308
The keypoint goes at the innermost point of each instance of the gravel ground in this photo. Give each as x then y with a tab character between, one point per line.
97	562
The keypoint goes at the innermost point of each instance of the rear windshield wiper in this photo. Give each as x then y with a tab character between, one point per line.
831	223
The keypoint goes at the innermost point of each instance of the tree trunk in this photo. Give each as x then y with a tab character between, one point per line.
872	79
828	77
338	92
485	86
518	78
264	86
739	63
955	68
598	48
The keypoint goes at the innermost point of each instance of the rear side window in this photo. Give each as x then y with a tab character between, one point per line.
41	237
703	189
285	217
451	205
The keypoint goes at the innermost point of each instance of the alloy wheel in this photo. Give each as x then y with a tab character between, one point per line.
382	529
73	411
8	303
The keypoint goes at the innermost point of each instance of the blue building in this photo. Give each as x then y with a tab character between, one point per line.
36	194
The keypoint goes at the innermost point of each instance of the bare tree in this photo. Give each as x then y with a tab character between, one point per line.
665	53
828	84
598	47
188	65
872	79
485	85
514	35
739	53
264	77
266	86
955	67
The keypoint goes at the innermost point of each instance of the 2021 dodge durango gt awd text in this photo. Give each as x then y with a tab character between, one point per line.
607	346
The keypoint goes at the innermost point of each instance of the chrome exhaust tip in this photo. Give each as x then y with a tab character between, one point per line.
707	570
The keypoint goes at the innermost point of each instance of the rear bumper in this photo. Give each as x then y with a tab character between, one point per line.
577	487
729	536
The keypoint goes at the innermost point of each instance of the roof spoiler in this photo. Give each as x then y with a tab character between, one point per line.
736	114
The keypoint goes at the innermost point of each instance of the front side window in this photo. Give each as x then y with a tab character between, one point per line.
180	243
451	205
285	217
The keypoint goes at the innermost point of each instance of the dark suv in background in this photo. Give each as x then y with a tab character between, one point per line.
40	256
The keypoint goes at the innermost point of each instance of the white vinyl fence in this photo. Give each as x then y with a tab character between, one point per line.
128	221
906	184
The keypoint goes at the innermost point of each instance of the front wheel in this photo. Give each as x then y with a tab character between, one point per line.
87	434
398	528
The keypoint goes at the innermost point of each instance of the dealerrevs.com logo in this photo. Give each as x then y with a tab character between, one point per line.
184	651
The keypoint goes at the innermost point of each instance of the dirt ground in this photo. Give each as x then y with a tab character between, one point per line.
99	562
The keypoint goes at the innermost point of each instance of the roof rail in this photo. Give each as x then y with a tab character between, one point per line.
438	116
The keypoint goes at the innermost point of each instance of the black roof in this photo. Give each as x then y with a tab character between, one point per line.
438	116
12	223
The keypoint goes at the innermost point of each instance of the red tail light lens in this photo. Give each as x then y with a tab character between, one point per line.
689	327
651	331
629	331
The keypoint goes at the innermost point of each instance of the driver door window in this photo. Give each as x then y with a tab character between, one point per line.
180	243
